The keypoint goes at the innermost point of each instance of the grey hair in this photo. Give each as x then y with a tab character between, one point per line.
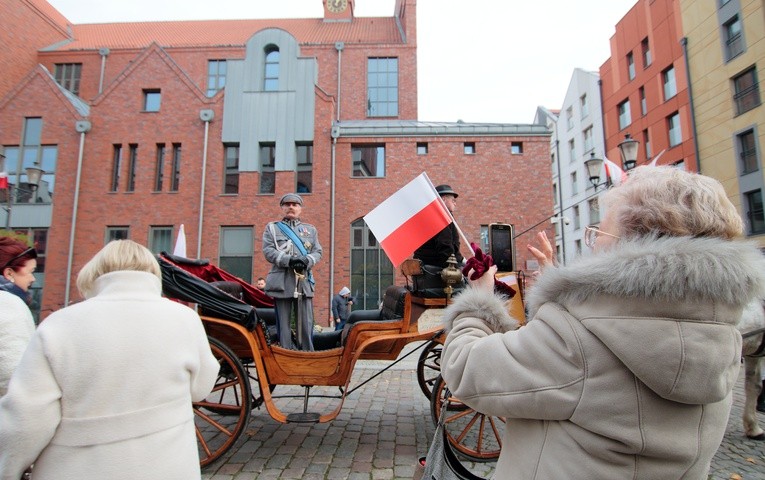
667	201
115	256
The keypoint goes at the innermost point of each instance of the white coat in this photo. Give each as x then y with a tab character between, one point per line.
105	387
16	329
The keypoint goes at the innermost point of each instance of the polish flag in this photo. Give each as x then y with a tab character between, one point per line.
3	179
656	158
614	172
408	219
180	243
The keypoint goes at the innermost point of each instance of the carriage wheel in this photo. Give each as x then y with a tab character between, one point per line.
222	417
472	434
429	366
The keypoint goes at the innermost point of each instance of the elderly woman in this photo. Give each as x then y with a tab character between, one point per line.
17	264
105	387
627	366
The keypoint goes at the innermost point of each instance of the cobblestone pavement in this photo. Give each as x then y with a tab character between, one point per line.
386	425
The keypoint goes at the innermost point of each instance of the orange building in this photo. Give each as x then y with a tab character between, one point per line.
143	127
644	86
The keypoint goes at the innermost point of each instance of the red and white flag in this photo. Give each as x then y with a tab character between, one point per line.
3	180
180	243
614	172
408	218
656	158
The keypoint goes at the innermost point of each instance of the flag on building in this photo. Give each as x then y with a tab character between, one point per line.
180	243
408	218
614	173
3	180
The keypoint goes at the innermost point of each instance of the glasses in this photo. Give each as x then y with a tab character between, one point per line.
29	251
591	235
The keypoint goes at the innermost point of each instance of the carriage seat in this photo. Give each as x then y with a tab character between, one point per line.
392	307
321	340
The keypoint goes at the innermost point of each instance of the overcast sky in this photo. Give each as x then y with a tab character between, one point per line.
478	60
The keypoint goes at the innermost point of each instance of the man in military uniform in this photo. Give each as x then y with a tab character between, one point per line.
292	247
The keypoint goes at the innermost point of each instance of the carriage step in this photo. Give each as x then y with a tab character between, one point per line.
303	417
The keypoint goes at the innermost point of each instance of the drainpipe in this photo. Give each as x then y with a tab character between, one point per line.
684	43
561	223
104	52
335	132
339	46
82	127
206	116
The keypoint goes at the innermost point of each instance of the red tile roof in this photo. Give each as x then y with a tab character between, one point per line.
199	33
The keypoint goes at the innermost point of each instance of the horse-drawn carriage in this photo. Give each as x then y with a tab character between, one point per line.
240	323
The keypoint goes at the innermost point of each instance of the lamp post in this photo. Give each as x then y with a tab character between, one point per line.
593	166
34	174
629	150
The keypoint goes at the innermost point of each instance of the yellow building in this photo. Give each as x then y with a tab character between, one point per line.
725	51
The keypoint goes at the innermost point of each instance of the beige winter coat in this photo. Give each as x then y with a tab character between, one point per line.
625	370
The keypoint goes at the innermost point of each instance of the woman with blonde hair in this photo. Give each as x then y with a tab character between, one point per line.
105	387
17	266
627	366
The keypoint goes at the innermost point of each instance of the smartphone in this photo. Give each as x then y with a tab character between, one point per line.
502	246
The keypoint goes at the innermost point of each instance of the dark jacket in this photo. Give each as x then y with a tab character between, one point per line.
437	250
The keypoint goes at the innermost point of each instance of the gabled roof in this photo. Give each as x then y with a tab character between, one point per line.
76	106
202	33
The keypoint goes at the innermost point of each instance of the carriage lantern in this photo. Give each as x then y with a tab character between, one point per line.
450	275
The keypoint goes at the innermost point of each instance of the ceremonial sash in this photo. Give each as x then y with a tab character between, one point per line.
295	240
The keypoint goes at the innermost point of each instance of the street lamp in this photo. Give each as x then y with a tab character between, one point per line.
629	150
593	166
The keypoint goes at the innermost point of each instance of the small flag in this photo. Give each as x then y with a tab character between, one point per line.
614	172
656	158
3	180
408	218
180	243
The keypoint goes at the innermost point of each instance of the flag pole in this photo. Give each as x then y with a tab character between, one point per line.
459	230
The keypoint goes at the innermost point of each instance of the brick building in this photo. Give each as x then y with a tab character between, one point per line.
142	127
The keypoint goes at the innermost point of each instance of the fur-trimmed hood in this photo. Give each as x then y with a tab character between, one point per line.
658	269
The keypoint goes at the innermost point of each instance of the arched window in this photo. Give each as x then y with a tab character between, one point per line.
371	271
271	72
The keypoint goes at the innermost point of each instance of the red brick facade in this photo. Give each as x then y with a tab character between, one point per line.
494	185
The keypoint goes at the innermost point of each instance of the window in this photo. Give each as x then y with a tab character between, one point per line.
271	70
371	271
587	140
231	181
643	103
151	100
160	239
158	171
646	49
236	249
267	168
304	167
516	148
584	106
176	175
117	233
570	117
132	167
116	160
68	76
624	115
754	212
382	87
571	150
422	149
593	208
555	194
577	217
574	184
670	87
673	127
630	66
216	76
747	91
368	160
747	150
578	246
32	153
647	144
469	148
734	42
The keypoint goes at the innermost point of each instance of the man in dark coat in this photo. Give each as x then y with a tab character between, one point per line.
446	242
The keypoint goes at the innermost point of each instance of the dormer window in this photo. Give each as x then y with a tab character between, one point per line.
271	71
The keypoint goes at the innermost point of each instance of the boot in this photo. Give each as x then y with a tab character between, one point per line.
761	399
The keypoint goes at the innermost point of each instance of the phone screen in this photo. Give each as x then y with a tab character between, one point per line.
502	247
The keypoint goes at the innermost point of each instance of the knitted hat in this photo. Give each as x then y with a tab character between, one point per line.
344	291
291	198
446	190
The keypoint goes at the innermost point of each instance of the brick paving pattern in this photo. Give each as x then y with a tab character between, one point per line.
385	426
